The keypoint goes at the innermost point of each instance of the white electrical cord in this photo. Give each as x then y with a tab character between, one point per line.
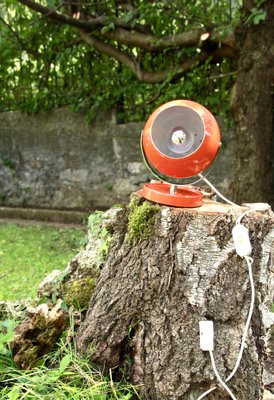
217	191
249	261
238	220
218	376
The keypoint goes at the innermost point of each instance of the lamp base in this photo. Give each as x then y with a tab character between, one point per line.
163	193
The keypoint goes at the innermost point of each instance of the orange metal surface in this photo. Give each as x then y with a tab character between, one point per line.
159	192
191	164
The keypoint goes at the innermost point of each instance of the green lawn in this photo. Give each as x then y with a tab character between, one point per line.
29	253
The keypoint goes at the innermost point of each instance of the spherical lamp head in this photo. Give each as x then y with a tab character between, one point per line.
180	140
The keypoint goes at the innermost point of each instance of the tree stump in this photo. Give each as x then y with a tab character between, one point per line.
144	315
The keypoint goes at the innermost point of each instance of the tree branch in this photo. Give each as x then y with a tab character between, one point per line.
123	33
155	43
123	57
137	38
142	74
89	24
220	76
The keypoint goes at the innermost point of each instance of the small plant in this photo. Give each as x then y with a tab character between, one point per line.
109	186
257	14
141	220
118	205
6	336
101	233
62	375
95	222
10	165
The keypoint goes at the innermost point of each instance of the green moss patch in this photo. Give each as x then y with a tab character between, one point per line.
78	293
141	220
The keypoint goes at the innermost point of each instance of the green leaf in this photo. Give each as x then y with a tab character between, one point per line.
99	397
64	363
104	232
126	397
104	248
110	26
14	393
259	17
128	17
51	3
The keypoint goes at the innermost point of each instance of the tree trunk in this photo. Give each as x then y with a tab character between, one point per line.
252	105
143	319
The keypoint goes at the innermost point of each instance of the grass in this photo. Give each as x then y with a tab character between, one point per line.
29	253
62	375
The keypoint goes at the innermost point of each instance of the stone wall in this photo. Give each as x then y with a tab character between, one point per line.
57	160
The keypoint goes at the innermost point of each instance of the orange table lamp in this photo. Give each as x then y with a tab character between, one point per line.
180	140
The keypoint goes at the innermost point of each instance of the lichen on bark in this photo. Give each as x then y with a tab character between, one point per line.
75	284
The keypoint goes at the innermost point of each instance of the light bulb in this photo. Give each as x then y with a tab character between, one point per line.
178	136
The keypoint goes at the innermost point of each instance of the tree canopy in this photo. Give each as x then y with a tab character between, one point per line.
135	54
132	55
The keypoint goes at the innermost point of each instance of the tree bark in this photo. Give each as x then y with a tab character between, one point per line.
252	105
143	318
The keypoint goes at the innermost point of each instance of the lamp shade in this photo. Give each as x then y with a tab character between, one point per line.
180	139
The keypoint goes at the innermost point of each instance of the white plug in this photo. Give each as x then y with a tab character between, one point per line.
206	335
241	240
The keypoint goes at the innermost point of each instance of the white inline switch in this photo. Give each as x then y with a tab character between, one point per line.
241	240
206	335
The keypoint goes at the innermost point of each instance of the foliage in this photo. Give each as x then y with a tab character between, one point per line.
100	233
39	74
63	374
7	327
141	220
257	14
29	253
95	222
6	336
